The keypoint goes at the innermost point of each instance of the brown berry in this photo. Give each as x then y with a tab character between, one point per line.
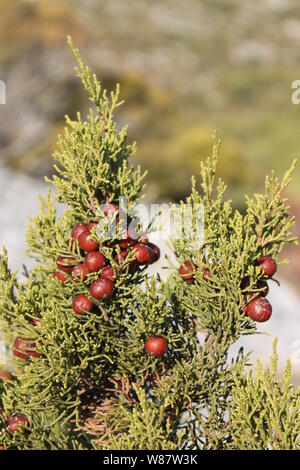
78	229
17	422
86	243
143	254
259	309
94	261
122	259
80	272
65	264
24	348
102	289
59	276
108	273
206	273
187	271
81	304
128	239
267	265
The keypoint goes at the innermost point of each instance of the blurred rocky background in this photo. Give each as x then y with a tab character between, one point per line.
185	68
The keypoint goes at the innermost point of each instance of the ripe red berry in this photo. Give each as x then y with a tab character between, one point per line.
20	348
86	243
80	272
187	271
5	375
102	288
81	303
65	264
267	265
156	346
155	252
17	422
94	261
108	273
259	309
78	229
143	254
127	243
24	349
59	276
206	273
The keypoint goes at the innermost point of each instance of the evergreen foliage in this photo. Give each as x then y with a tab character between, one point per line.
88	382
265	409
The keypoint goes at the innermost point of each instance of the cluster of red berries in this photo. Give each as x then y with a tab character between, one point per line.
103	287
259	308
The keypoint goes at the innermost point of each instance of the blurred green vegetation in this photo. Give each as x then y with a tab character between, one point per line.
185	69
176	160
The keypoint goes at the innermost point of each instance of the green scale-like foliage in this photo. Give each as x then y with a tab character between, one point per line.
77	353
94	386
265	409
